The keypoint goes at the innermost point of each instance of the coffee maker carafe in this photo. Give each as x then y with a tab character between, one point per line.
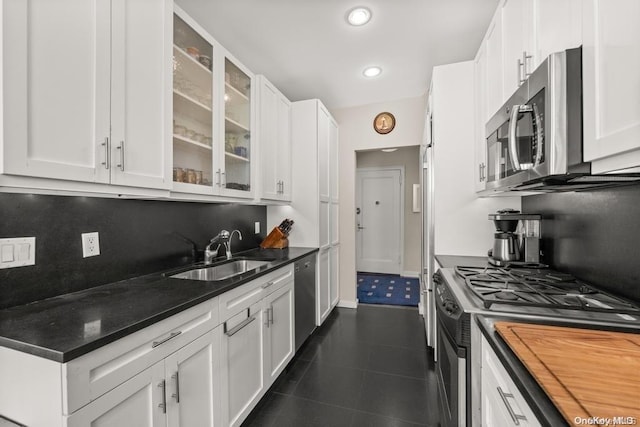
517	238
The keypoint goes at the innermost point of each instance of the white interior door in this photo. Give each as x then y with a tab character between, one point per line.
379	212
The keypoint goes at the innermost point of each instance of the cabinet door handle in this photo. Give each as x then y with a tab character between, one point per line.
266	317
238	327
281	187
515	417
218	178
105	144
121	148
176	395
223	181
271	315
525	71
162	341
520	72
163	405
266	285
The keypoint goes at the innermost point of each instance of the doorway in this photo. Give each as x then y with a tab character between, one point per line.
387	226
379	213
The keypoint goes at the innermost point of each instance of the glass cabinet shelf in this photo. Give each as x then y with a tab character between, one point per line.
193	109
237	126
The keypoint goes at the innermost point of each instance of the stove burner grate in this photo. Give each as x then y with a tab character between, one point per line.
539	288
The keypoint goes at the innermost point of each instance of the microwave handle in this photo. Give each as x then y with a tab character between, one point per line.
513	121
537	132
513	149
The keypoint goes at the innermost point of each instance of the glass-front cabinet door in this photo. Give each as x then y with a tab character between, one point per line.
236	172
193	110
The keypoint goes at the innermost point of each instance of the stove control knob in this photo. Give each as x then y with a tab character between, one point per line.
450	306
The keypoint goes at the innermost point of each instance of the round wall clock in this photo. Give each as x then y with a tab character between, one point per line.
384	123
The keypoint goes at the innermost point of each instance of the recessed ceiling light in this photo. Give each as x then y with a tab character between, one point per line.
359	16
389	150
372	71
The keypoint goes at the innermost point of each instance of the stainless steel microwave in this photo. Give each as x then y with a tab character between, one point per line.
534	142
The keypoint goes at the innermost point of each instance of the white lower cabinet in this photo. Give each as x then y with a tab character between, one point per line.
502	403
257	343
134	402
279	333
242	364
178	391
323	292
192	387
206	366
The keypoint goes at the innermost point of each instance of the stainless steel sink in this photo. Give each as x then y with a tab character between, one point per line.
220	272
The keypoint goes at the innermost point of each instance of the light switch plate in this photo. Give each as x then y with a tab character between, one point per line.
17	252
257	227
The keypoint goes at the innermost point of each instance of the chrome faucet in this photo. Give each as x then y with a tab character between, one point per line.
221	238
227	244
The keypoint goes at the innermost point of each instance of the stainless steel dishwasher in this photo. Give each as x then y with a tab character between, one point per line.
305	297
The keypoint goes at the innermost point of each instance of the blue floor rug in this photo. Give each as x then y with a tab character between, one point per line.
388	289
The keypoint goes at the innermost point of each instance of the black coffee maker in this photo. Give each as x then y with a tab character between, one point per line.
516	240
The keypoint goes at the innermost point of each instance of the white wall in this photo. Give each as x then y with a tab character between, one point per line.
409	157
357	134
461	219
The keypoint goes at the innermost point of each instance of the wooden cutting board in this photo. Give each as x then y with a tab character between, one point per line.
586	373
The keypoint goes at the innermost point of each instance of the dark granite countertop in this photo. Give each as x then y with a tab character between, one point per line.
451	261
54	328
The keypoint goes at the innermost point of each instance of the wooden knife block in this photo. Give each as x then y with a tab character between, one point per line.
276	239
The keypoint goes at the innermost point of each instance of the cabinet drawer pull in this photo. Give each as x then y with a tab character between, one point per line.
176	395
515	417
266	285
218	179
163	405
231	332
171	336
105	144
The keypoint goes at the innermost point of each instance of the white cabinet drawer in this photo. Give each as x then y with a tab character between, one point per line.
242	297
501	399
90	376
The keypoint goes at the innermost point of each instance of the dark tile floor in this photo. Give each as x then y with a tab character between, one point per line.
365	367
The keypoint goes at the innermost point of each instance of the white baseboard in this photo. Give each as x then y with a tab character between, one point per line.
415	274
348	304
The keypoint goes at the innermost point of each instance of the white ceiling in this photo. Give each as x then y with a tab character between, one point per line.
306	48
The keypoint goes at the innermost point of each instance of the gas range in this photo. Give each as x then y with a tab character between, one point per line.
534	292
545	288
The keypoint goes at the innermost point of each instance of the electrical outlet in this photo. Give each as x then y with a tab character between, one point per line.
257	227
90	244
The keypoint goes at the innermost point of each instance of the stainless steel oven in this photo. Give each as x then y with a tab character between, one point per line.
453	365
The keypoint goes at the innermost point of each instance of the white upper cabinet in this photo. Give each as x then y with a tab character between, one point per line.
81	101
479	85
557	27
521	35
517	41
212	116
274	131
494	70
141	86
611	81
237	160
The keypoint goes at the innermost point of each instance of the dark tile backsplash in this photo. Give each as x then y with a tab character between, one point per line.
137	237
595	235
